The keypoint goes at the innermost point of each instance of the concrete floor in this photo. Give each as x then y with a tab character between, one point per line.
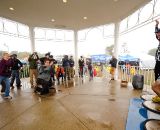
80	105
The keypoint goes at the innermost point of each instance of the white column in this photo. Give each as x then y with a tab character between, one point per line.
116	45
116	40
76	52
32	38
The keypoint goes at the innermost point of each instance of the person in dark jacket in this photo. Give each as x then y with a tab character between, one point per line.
156	84
71	68
81	66
44	77
17	66
33	58
66	66
113	63
157	55
5	73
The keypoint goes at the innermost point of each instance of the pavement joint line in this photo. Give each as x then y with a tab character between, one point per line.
76	116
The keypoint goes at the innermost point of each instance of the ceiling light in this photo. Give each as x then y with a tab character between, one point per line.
84	17
115	0
64	1
52	20
11	8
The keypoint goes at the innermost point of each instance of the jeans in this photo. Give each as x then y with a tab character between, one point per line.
15	74
7	82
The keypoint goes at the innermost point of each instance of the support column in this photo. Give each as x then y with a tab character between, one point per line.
116	40
116	45
32	38
76	52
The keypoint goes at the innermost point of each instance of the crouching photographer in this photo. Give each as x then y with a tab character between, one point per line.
44	76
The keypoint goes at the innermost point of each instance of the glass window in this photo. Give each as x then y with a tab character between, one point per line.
123	25
56	48
59	35
50	34
146	13
39	33
133	19
23	30
69	35
108	30
10	27
11	43
157	9
82	35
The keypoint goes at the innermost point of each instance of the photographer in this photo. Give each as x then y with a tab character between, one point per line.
44	77
33	58
17	65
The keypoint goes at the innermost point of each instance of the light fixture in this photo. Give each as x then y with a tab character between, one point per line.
115	0
52	20
11	8
64	1
85	18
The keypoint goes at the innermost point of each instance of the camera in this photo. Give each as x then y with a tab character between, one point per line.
34	55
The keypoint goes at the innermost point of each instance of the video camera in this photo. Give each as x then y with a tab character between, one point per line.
35	55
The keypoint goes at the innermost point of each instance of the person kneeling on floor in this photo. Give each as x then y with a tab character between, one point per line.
44	76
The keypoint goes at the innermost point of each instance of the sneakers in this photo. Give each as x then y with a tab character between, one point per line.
7	97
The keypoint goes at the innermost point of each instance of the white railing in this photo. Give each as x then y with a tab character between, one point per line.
126	73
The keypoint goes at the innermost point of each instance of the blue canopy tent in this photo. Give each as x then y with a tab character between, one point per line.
128	58
102	58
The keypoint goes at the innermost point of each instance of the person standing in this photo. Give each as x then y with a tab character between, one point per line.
17	65
113	63
81	66
157	55
53	63
33	68
5	72
156	84
71	69
66	66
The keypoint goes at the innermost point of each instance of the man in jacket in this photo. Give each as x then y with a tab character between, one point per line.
66	66
5	72
33	68
81	66
156	85
71	69
44	77
157	55
17	65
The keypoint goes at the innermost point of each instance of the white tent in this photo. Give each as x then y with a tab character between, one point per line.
146	61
